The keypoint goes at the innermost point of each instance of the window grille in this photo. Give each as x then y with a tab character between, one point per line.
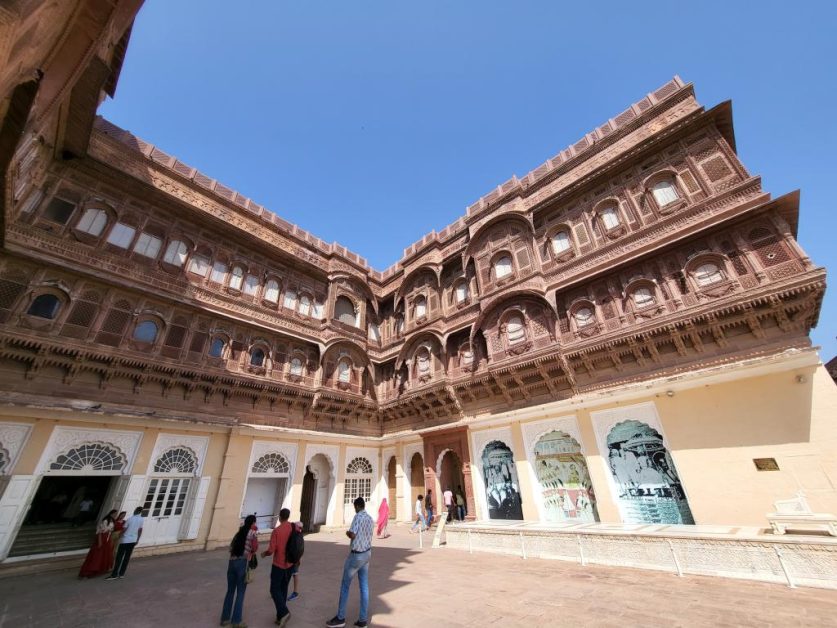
90	457
272	462
176	460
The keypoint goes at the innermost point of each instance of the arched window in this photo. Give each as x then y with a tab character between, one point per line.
93	221
358	481
90	457
374	332
251	284
466	355
45	306
708	273
176	460
146	331
296	366
257	357
461	292
515	330
644	297
148	245
290	299
421	306
344	371
610	217
344	311
176	253
216	348
584	316
236	278
664	192
561	242
271	291
121	235
503	266
198	265
304	305
219	272
273	462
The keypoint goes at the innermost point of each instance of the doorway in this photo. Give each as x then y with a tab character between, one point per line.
451	476
63	514
306	507
391	492
264	498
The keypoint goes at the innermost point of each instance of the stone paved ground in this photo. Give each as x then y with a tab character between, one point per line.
411	588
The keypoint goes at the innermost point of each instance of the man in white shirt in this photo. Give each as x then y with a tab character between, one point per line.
360	551
419	515
448	496
129	540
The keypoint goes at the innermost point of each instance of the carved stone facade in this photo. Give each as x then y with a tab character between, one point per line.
643	265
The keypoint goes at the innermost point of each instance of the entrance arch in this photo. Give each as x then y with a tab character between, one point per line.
416	479
566	491
391	487
268	488
319	483
449	472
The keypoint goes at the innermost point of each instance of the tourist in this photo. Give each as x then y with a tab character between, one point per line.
460	503
118	530
280	571
428	506
419	515
383	519
100	557
129	540
448	498
357	562
243	546
295	569
85	512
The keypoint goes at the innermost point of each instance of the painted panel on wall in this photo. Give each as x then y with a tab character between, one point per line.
565	485
502	489
649	489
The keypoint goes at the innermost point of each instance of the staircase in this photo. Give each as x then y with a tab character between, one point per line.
52	537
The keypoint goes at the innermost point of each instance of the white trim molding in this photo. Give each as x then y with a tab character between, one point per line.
13	437
64	439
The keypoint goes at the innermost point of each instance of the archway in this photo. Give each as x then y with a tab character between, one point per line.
502	489
306	507
322	474
268	485
648	487
391	492
566	491
416	478
450	474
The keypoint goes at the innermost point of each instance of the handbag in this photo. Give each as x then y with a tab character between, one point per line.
254	562
249	576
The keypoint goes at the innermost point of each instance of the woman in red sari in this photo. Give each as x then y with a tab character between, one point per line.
100	557
383	519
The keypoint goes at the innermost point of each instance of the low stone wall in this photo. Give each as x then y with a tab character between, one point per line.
791	560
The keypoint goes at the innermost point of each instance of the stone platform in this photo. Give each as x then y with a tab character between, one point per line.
731	552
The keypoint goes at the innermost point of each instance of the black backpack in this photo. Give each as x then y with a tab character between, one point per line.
295	547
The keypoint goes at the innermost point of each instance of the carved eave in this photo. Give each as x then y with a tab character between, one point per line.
722	115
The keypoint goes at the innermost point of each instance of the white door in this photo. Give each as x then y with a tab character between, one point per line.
164	505
13	507
264	497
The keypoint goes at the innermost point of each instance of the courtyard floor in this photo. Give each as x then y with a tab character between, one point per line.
411	587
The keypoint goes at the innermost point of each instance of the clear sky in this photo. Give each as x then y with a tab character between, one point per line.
371	123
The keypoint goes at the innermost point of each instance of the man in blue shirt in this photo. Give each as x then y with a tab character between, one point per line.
357	562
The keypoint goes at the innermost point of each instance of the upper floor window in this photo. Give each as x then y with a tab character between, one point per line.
421	307
296	366
584	316
643	297
344	310
199	265
610	217
146	331
561	242
148	245
374	332
344	371
219	272
461	292
176	253
236	278
45	306
304	305
290	299
503	267
466	355
121	235
93	221
708	273
257	357
318	310
423	363
251	284
664	192
216	349
515	331
59	210
271	291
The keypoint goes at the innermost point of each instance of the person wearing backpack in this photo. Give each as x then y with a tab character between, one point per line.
280	571
357	562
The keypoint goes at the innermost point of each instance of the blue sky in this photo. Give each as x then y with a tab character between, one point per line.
371	123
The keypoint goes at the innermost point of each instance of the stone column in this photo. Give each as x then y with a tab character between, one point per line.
231	487
521	465
299	475
339	492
